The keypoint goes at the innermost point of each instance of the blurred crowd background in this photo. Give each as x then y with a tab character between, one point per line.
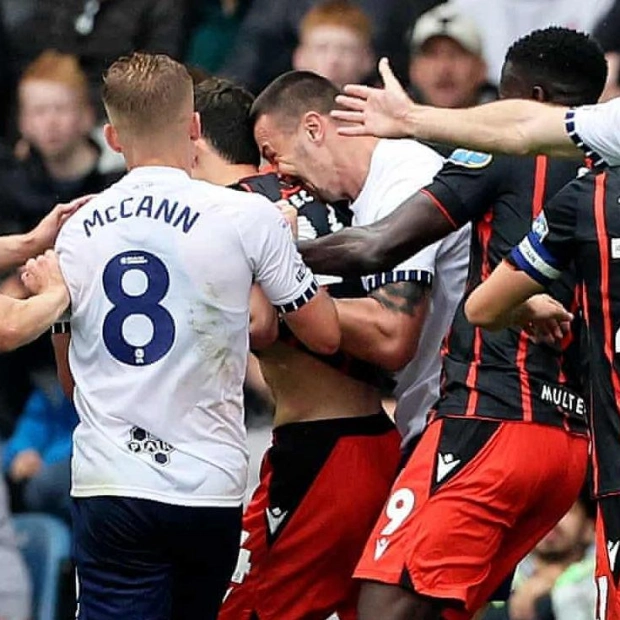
52	56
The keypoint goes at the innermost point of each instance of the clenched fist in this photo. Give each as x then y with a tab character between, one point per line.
42	274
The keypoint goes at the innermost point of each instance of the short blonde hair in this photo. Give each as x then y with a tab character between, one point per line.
341	13
145	92
52	66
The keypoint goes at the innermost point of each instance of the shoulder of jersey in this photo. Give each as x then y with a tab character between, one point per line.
470	159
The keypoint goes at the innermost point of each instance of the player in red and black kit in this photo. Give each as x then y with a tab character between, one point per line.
505	453
334	455
580	226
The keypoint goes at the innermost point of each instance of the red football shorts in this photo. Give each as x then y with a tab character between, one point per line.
322	487
472	501
607	560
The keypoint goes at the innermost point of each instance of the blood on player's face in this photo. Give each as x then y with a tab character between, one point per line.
295	154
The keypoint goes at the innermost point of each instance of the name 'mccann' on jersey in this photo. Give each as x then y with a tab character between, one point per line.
159	269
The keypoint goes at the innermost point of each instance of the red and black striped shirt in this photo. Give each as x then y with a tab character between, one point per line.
503	375
581	225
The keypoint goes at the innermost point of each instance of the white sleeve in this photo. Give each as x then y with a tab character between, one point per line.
407	176
277	265
70	262
595	129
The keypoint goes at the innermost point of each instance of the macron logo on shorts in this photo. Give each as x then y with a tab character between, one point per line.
275	516
612	551
380	546
445	464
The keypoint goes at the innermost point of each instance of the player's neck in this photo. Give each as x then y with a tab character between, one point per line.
160	162
140	155
355	165
223	173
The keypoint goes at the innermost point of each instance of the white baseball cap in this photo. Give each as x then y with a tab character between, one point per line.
445	20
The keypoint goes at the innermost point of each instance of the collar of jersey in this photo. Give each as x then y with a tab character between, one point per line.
156	172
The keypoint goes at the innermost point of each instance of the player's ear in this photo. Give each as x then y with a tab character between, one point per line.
111	137
314	127
194	128
202	152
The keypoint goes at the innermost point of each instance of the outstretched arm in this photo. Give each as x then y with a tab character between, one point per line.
358	250
516	126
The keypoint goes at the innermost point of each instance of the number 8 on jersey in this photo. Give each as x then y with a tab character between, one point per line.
121	284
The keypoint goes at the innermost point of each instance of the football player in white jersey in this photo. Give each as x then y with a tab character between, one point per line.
328	416
294	131
514	127
405	313
159	269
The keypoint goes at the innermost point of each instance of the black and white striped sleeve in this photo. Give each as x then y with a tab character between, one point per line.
419	268
595	129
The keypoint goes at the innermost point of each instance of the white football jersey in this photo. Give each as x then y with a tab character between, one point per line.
398	169
159	269
595	129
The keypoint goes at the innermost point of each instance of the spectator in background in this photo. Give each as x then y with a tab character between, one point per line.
37	456
7	81
60	162
447	67
503	21
607	33
268	35
335	41
96	31
213	25
59	159
556	581
15	588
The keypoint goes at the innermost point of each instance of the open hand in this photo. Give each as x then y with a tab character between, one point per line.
380	112
48	228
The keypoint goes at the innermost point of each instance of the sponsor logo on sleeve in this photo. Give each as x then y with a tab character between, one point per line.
540	227
470	159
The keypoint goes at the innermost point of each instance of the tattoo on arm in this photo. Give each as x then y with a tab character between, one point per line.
402	297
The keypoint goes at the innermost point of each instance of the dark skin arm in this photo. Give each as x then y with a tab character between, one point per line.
377	247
